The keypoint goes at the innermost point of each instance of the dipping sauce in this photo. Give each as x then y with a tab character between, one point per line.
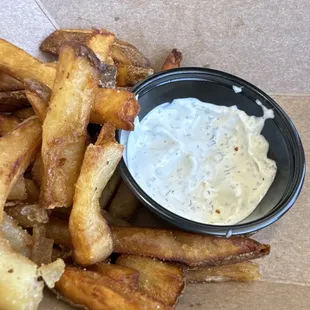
204	162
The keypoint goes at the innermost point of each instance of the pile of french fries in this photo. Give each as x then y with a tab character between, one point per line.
64	209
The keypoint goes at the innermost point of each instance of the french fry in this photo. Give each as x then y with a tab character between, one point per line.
13	100
27	215
19	64
33	192
18	192
122	52
20	287
8	83
117	272
173	60
163	281
244	271
116	107
91	237
42	246
65	126
38	95
112	220
58	230
23	114
124	203
96	291
18	149
7	123
37	170
19	239
188	248
128	75
110	189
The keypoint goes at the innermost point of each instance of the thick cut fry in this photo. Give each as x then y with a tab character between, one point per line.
116	107
23	114
125	203
173	60
128	75
96	291
20	288
58	230
8	83
188	248
33	192
122	52
7	123
11	101
18	149
42	246
110	189
27	215
18	192
38	95
162	281
65	125
112	220
91	237
245	271
117	272
19	239
37	170
19	64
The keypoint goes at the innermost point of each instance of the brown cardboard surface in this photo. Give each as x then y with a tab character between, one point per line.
266	43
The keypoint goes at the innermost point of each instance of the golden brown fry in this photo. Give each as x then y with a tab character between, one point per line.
8	83
38	95
13	100
37	170
96	291
173	60
42	246
112	220
7	123
33	192
128	75
188	248
58	230
91	237
27	215
116	107
18	149
125	203
117	272
17	63
244	271
122	52
20	288
18	192
23	114
19	239
110	189
163	281
65	125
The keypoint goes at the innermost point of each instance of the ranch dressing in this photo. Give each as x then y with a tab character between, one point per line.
204	162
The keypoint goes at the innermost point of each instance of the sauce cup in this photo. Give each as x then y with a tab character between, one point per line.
220	88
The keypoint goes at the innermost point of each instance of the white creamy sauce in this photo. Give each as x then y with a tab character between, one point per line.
204	162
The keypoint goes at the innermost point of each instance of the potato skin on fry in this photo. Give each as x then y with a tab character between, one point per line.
19	64
65	126
90	233
8	83
116	107
173	60
188	248
128	75
162	281
244	271
7	123
11	101
18	149
96	291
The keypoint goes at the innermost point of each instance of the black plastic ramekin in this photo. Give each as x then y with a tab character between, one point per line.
216	87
